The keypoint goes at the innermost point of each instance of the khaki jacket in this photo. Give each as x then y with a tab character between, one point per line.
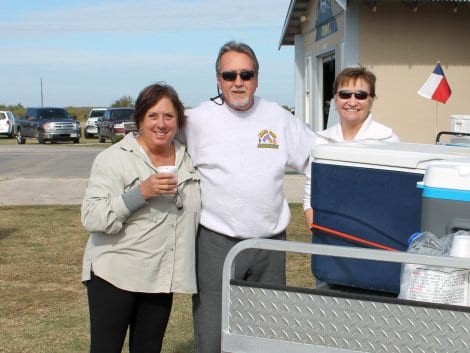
152	249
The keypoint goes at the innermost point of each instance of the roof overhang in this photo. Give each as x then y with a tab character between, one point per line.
297	9
297	14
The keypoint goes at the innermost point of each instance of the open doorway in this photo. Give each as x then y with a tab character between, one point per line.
328	77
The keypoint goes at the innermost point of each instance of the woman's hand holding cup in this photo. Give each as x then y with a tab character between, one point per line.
163	182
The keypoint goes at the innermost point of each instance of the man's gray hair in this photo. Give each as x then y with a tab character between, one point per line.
239	48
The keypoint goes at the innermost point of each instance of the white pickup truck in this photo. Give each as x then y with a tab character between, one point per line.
91	129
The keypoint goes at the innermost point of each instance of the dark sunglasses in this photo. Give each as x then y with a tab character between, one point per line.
360	95
245	75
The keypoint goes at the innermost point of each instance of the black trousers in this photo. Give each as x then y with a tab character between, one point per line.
113	311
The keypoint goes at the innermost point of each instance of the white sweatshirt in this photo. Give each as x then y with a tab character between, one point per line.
370	130
241	158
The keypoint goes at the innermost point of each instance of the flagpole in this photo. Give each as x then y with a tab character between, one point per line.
437	110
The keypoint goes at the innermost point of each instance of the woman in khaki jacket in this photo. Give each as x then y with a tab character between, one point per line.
143	225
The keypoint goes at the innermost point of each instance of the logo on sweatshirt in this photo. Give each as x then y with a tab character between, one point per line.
267	139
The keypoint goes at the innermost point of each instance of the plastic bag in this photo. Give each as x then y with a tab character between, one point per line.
432	283
427	243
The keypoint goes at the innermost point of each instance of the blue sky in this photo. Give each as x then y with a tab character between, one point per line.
91	53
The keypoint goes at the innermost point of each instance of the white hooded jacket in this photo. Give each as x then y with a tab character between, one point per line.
370	130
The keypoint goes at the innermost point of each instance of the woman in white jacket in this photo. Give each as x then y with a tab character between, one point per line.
143	226
354	94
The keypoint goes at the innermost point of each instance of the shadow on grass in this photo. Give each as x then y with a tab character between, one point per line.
184	347
5	232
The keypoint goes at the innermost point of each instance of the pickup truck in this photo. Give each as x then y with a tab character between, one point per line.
48	124
91	128
115	123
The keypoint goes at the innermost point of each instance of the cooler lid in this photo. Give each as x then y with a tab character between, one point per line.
459	117
448	174
446	194
377	154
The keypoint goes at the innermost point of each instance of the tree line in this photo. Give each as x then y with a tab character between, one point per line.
79	112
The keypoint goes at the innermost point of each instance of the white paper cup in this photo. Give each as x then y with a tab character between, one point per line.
169	169
460	246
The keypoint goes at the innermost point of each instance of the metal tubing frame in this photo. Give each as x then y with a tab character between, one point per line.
324	250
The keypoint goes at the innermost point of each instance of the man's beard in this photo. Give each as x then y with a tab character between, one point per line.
239	102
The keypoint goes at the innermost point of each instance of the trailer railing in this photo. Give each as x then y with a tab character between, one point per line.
262	318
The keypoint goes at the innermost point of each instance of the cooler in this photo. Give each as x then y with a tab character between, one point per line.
446	197
460	123
368	189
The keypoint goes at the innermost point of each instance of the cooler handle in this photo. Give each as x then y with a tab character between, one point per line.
350	237
457	224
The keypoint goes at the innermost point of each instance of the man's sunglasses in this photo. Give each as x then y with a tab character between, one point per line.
245	75
359	95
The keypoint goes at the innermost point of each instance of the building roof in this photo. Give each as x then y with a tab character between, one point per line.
297	9
297	14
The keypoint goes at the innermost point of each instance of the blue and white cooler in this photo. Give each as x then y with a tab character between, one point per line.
446	197
368	190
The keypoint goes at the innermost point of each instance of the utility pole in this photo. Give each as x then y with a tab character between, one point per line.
42	97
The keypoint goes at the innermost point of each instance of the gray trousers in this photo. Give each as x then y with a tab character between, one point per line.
252	265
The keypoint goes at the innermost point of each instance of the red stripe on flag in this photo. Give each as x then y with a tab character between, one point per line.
442	92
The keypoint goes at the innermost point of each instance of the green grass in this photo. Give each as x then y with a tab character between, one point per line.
43	305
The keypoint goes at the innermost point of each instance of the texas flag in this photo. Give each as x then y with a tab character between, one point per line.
436	87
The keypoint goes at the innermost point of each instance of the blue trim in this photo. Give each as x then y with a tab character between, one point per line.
447	194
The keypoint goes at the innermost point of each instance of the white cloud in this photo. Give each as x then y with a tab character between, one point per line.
91	52
57	57
148	16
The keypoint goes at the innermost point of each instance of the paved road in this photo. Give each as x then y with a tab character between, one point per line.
57	175
49	161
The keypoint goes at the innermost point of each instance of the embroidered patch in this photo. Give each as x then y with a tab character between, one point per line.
267	139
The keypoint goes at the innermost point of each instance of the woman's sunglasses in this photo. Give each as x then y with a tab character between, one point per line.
359	95
245	75
178	201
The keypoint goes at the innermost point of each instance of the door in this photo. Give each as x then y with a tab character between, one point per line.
29	124
328	78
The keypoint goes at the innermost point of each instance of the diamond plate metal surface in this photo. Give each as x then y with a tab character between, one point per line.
350	324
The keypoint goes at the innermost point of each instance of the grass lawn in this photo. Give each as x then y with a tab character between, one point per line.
43	305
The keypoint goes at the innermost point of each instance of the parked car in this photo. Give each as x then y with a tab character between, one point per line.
91	126
7	123
17	123
116	122
48	124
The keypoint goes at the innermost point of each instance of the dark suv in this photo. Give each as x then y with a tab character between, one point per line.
116	122
48	124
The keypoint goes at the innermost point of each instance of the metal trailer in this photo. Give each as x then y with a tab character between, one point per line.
260	318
